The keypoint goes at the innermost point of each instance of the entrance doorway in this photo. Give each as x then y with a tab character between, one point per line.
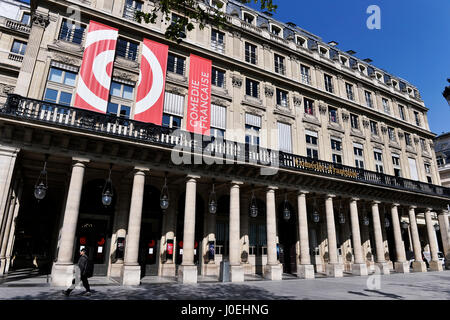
287	235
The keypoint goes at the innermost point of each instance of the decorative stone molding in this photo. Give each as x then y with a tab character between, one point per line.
67	46
127	63
322	109
285	117
311	120
125	76
431	144
339	76
366	123
219	102
384	129
266	47
317	67
345	116
255	111
237	81
268	90
5	89
175	90
40	19
237	35
297	101
293	58
67	60
416	140
401	135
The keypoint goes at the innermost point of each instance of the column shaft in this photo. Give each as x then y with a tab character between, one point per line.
378	233
399	245
431	236
189	222
331	231
415	236
356	234
235	226
271	228
305	258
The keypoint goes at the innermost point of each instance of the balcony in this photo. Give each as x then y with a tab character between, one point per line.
59	116
15	25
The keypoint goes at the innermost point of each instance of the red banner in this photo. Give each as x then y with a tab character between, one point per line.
152	81
96	69
199	102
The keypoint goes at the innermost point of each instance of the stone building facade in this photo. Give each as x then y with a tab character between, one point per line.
322	163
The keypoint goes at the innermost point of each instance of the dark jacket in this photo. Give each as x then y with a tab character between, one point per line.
83	264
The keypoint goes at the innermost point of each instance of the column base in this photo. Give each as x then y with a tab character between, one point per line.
168	270
402	267
436	266
360	269
212	269
187	274
2	266
273	272
305	271
236	274
383	267
335	270
248	268
131	275
62	275
116	270
419	266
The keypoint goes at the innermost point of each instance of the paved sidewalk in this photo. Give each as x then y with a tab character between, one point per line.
413	286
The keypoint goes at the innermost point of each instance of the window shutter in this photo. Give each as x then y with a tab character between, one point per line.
174	104
252	120
284	137
218	117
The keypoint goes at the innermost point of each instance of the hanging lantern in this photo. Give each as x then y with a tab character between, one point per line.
316	215
253	206
107	194
436	227
164	199
286	211
212	201
41	186
405	225
366	220
387	223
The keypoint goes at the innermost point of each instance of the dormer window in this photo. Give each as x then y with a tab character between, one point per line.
378	75
395	84
249	18
276	30
300	41
323	51
410	91
362	68
344	61
218	5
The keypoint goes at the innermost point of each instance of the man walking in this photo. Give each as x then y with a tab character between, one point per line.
82	273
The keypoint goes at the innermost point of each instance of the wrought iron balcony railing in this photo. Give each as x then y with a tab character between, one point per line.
73	118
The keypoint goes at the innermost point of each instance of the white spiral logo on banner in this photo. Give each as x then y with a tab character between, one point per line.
157	84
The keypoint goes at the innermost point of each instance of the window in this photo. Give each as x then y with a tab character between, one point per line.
417	118
333	114
121	90
349	89
374	128
171	121
71	32
312	146
250	53
386	107
396	162
328	83
306	78
391	133
440	161
25	19
118	110
401	111
19	47
60	86
359	155
369	99
284	137
279	65
354	120
378	155
300	41
248	18
309	106
276	30
413	169
130	9
428	173
218	122
176	64
408	139
252	88
336	147
423	145
217	41
252	128
282	98
218	78
127	49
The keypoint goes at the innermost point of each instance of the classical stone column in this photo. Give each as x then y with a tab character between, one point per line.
120	228
435	264
445	236
379	245
8	225
333	268
359	267
401	265
8	158
132	269
236	270
62	271
273	269
418	264
305	270
187	272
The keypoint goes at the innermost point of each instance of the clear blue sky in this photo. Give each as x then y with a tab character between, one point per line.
413	43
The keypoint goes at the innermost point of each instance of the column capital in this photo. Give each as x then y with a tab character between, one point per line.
328	196
429	210
272	188
80	160
354	199
236	183
302	192
395	205
192	177
375	202
412	208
